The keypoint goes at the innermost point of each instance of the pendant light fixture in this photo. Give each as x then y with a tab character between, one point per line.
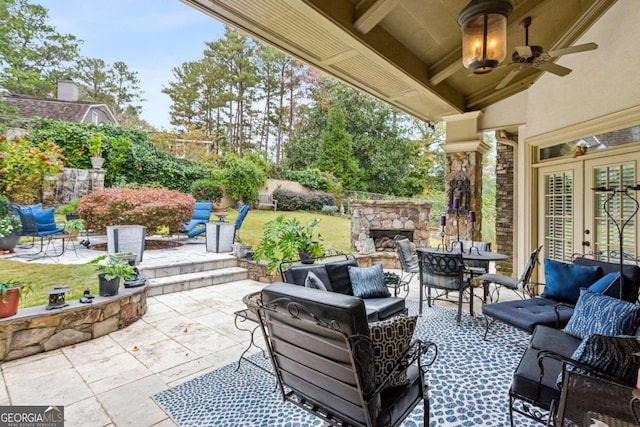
484	34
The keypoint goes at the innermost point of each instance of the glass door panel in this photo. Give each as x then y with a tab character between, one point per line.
608	212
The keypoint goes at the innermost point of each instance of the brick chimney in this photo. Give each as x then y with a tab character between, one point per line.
67	90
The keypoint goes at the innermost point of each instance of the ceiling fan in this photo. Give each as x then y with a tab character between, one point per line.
533	56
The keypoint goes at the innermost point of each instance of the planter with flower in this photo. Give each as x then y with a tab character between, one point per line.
110	274
74	227
69	209
11	291
95	151
10	226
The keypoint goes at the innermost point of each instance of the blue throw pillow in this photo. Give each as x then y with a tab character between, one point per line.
368	282
312	281
563	281
609	284
44	219
610	355
603	315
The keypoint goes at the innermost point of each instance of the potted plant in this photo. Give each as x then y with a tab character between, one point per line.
110	274
11	291
69	209
74	227
95	151
287	239
10	226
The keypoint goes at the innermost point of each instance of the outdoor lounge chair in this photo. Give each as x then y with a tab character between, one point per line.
326	363
199	219
37	223
242	213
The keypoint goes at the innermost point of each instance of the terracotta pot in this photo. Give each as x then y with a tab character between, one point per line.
9	305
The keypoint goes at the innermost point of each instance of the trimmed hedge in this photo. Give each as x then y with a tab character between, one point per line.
151	207
293	201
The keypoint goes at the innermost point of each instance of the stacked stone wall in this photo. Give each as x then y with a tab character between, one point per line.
35	330
504	206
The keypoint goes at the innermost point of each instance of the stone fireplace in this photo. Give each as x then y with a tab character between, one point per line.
381	220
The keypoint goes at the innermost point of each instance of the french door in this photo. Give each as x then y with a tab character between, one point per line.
572	217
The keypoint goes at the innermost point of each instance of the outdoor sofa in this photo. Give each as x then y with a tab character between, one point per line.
336	277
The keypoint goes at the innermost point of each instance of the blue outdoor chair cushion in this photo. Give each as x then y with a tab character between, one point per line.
45	220
600	314
368	282
526	314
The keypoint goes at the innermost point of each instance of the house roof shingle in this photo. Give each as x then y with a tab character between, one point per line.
70	111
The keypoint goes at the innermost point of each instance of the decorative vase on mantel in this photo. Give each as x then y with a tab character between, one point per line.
97	162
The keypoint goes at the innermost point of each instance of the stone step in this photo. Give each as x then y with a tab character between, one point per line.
188	266
198	279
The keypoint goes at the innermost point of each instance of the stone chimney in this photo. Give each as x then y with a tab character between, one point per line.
67	90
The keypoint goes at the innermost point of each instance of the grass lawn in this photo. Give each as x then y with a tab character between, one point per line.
334	230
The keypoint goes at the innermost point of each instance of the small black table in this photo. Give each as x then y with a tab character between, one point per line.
472	255
247	320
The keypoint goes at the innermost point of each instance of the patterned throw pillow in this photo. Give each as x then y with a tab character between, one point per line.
368	282
603	315
563	281
312	281
610	355
391	338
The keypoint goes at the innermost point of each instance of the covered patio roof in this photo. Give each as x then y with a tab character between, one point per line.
404	52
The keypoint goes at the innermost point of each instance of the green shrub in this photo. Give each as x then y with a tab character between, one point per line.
207	190
242	178
328	209
152	208
312	178
293	201
130	157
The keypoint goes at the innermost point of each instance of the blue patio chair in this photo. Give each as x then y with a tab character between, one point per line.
241	216
37	222
199	219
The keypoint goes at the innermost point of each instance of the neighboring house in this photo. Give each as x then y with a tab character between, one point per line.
65	107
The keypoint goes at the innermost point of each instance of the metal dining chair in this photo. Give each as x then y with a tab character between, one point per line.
442	273
408	264
521	285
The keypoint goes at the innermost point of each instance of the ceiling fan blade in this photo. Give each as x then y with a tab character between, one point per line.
556	69
524	51
573	49
508	78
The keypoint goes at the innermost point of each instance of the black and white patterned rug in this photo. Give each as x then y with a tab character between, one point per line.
468	384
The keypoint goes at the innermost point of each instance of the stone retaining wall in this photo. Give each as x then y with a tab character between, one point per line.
35	329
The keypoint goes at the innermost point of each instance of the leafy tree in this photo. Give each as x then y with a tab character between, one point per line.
33	55
336	152
115	85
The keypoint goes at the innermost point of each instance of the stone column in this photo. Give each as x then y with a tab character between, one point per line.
463	173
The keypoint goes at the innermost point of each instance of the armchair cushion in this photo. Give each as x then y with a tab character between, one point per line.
312	281
368	282
298	275
563	281
601	314
45	220
611	355
391	339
